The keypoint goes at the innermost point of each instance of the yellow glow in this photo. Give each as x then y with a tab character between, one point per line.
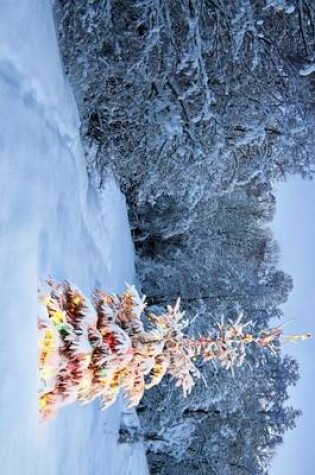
77	300
43	402
58	317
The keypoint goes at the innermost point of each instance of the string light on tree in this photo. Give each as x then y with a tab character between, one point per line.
95	348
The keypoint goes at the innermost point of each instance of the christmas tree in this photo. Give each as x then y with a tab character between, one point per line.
95	348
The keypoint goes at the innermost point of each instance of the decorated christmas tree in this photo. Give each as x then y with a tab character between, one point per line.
95	348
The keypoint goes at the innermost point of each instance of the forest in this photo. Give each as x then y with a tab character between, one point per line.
198	108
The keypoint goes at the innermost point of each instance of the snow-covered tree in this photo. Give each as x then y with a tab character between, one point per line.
198	107
90	349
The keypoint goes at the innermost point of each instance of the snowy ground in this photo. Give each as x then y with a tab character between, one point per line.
52	222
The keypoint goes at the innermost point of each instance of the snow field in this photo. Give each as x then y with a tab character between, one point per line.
51	222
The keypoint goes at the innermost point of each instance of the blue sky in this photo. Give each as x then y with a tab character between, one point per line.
294	228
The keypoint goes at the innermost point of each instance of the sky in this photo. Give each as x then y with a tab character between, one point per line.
294	229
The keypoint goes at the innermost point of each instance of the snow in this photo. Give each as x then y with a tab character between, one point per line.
307	70
52	222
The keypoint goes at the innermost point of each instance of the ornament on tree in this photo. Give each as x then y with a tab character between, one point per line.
95	348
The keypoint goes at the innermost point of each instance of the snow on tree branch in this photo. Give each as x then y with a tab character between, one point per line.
90	349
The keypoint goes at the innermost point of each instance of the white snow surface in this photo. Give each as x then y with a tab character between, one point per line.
307	70
51	222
